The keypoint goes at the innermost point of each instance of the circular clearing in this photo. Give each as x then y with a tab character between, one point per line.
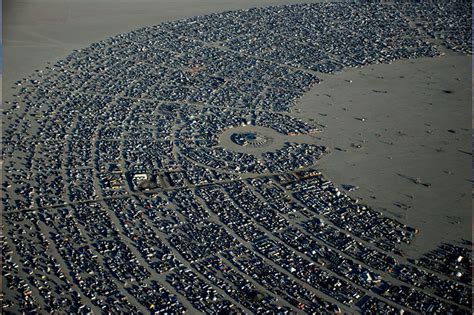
254	140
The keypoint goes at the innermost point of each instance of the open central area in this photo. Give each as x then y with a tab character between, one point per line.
251	139
257	140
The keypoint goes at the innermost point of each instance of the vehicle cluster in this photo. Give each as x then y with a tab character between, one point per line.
118	196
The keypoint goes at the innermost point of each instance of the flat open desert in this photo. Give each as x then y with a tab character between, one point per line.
389	125
400	132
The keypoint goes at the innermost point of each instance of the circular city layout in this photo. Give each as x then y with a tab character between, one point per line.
162	171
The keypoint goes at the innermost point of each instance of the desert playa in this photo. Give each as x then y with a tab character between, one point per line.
401	132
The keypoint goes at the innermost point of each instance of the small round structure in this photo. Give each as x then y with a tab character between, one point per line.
251	139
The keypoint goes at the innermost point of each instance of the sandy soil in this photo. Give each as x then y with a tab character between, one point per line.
412	128
412	121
